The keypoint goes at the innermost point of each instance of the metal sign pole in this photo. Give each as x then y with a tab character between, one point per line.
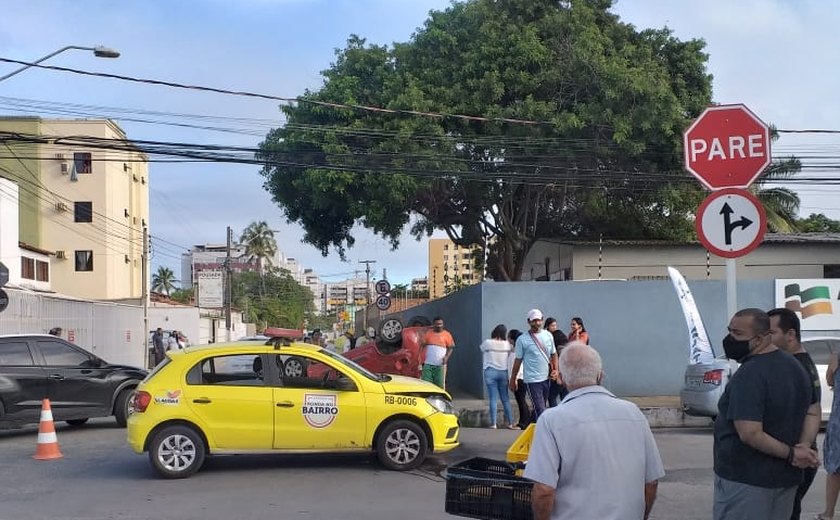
731	289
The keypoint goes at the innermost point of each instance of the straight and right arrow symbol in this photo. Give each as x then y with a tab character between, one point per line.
729	226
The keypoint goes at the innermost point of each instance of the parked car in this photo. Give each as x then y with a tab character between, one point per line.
704	383
78	384
239	398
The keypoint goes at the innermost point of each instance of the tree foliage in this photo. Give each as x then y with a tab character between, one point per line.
260	245
818	223
163	281
273	299
613	102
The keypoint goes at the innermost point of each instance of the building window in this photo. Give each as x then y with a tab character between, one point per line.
42	271
445	257
84	260
831	271
27	268
446	247
83	212
82	162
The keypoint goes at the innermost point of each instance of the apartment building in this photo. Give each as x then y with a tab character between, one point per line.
83	199
420	284
451	266
349	293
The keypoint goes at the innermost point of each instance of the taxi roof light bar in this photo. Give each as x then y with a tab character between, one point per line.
280	336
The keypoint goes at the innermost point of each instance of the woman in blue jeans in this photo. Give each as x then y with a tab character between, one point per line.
496	353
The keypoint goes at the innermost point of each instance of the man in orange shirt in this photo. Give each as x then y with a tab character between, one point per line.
435	350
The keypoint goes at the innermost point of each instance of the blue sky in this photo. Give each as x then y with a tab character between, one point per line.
778	57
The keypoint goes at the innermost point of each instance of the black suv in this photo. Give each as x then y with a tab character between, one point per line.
78	384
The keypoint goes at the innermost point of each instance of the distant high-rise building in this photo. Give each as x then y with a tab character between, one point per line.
451	266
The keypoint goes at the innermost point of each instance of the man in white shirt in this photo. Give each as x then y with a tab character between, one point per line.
593	456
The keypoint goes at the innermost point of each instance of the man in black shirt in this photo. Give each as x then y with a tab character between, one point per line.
758	450
786	334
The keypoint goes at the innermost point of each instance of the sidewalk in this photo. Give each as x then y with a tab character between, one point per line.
661	411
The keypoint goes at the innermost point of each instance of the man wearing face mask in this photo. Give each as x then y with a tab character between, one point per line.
758	450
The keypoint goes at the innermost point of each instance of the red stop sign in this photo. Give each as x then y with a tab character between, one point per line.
727	147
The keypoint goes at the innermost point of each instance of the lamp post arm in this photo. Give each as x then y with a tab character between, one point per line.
48	56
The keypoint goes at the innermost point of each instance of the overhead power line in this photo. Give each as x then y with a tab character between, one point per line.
244	93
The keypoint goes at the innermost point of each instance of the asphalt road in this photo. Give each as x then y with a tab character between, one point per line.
101	478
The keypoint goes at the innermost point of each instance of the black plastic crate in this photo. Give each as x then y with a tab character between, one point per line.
487	489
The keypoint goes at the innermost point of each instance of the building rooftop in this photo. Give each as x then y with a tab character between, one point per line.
773	238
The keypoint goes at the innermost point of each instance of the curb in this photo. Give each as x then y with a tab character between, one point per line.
657	416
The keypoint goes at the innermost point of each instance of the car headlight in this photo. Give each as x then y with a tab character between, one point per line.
441	404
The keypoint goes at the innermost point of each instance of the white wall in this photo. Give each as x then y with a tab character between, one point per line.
176	317
9	230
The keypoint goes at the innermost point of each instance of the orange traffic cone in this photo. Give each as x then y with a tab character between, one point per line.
47	441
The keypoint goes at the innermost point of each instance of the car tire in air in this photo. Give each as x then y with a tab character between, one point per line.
390	331
176	451
402	446
294	367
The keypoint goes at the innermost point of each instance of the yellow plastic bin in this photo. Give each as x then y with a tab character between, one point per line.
518	452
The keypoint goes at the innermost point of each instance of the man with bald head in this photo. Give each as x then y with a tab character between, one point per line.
762	433
592	445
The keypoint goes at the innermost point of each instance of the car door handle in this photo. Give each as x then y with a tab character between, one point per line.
57	377
202	400
285	404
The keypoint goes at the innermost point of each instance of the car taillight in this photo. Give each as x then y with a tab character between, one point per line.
141	401
713	377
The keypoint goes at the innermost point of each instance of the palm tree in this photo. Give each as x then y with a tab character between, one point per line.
163	281
781	204
259	242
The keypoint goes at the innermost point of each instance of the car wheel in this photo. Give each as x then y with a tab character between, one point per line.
294	367
401	446
419	321
176	451
390	331
76	422
122	407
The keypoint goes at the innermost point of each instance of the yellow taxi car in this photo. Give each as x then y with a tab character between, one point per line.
239	398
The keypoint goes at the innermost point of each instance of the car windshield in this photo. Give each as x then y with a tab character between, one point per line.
351	364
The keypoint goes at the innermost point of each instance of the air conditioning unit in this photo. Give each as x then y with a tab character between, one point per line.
65	168
61	255
60	206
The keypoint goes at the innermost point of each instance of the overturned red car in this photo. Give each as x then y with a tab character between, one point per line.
396	350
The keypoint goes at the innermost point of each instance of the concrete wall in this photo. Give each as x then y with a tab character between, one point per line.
112	331
638	327
771	259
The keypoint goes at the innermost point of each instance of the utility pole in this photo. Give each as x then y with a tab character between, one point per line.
144	274
228	283
367	287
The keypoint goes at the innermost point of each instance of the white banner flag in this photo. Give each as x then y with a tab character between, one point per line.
700	350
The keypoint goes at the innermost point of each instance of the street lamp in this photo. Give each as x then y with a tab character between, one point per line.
98	51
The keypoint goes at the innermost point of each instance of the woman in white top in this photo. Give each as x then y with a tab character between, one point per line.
496	353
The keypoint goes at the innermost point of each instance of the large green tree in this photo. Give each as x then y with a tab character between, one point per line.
604	159
273	299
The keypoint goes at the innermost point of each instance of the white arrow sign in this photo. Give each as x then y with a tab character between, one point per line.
731	222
